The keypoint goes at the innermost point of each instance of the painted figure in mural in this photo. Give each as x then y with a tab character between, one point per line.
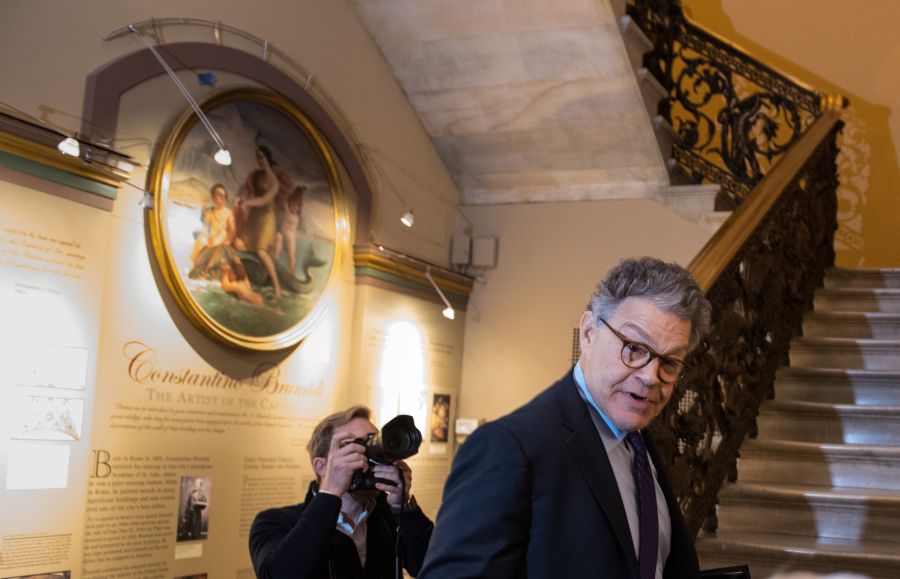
570	485
196	503
212	246
255	210
337	532
235	282
289	215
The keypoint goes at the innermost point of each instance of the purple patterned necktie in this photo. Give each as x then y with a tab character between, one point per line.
648	524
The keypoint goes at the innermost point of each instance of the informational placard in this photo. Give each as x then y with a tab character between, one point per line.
53	258
189	443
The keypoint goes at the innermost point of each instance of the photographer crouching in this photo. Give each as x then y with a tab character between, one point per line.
358	518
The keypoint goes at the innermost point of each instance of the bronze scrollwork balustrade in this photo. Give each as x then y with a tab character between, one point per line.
759	297
735	117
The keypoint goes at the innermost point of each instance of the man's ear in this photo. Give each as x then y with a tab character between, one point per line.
585	327
319	466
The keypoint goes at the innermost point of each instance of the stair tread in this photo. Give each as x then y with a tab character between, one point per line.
848	291
826	341
850	315
800	371
861	270
876	552
832	494
830	409
854	450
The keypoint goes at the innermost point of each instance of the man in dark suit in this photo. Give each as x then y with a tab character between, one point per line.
337	533
562	488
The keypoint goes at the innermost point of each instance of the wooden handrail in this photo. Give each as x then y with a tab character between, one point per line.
721	248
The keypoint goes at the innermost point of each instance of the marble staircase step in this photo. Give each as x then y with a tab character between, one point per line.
829	423
858	300
810	511
861	354
651	91
862	278
822	464
713	220
877	325
819	489
690	201
666	137
636	42
770	553
838	386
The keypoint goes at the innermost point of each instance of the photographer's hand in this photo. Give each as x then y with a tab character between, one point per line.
392	473
344	457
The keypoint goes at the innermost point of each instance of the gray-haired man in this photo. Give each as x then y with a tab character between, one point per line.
564	486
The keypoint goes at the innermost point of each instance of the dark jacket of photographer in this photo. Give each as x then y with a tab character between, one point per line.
301	541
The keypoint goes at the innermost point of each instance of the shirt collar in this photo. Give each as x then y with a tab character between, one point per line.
349	525
578	374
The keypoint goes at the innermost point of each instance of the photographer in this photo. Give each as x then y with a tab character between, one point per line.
336	532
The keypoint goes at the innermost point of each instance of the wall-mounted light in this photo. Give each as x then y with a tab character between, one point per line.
69	146
448	312
408	219
44	133
222	156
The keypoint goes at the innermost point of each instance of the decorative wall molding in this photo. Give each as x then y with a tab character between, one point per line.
382	267
29	149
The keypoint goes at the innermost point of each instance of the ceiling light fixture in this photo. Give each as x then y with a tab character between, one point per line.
222	156
448	312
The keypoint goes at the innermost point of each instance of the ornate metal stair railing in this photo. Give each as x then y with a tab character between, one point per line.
759	270
735	117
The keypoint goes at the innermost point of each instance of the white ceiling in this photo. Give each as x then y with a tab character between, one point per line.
525	100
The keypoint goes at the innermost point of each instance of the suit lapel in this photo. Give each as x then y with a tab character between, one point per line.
586	448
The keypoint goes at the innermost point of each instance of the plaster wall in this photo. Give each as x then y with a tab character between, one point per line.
550	256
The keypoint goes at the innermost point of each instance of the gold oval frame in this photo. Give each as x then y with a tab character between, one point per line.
159	174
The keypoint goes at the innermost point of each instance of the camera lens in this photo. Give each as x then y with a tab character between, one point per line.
398	439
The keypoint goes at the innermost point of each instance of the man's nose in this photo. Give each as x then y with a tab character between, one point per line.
649	374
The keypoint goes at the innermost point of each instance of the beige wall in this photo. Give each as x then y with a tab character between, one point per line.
51	48
521	315
850	48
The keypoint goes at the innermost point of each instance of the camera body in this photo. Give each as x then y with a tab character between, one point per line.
399	439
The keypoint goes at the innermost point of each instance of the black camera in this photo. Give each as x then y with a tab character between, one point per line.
399	439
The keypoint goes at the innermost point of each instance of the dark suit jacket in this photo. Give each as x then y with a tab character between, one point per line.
301	541
533	495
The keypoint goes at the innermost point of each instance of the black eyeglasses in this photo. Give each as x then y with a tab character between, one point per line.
636	355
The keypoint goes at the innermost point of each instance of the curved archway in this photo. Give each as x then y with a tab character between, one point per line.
105	86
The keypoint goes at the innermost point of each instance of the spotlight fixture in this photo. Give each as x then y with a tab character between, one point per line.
448	312
69	146
408	219
147	200
222	156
